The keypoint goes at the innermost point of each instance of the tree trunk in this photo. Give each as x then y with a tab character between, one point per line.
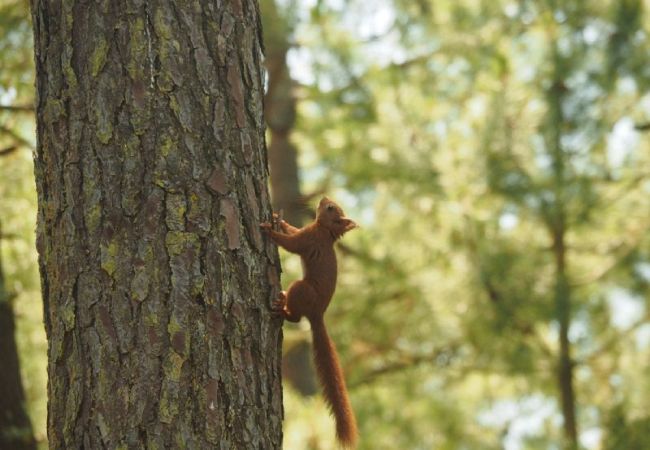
151	178
280	114
565	361
15	427
557	224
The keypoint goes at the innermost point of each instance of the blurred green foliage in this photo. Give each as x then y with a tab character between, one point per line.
18	205
465	136
461	135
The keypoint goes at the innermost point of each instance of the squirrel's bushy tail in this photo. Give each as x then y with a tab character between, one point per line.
331	378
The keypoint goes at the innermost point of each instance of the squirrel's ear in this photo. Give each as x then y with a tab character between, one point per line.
348	224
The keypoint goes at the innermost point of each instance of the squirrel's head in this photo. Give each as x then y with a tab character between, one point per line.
331	216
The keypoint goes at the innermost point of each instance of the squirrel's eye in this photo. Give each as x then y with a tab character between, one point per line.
330	207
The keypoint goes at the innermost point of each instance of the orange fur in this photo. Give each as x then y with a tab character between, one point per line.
311	296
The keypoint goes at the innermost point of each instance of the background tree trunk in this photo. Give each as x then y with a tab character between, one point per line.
15	427
151	178
557	224
280	115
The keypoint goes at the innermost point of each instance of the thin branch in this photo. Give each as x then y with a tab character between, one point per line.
441	357
8	150
521	325
642	126
607	346
17	108
524	327
632	183
16	137
624	251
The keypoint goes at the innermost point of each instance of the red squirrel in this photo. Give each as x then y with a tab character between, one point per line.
310	297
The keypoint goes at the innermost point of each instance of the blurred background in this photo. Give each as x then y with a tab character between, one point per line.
497	156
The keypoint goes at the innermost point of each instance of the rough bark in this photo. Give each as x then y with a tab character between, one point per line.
151	178
15	426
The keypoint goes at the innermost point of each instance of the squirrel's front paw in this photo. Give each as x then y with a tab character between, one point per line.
279	306
266	227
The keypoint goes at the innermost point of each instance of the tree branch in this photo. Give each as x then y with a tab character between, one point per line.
17	108
8	150
607	346
623	251
441	357
16	137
